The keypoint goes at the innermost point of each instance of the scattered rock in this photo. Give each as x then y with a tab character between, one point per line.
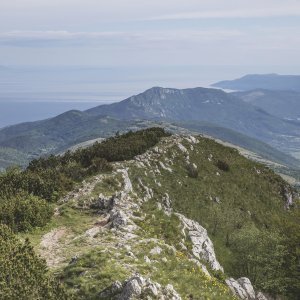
217	200
192	139
182	148
147	259
156	251
148	191
167	204
136	288
164	167
92	232
288	195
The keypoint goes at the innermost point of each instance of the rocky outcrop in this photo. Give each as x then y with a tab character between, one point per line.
243	289
289	199
138	287
203	247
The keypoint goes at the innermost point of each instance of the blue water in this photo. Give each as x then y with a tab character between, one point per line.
35	93
18	112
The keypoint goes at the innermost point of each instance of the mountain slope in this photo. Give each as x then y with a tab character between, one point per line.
262	149
57	134
210	105
29	141
141	226
219	112
262	81
283	104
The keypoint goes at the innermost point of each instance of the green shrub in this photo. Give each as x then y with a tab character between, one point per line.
23	275
192	171
22	212
223	165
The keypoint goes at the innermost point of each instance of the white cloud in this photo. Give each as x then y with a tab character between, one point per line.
115	31
262	12
62	38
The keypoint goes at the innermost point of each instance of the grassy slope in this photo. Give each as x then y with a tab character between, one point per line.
241	140
101	261
250	191
249	188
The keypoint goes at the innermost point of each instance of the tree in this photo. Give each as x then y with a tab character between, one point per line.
262	256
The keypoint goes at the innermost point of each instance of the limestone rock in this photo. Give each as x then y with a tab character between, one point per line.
167	204
247	286
133	288
203	247
118	218
137	287
243	288
261	296
127	183
182	148
236	288
162	165
156	251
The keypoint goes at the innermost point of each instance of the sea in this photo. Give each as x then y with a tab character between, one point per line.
31	93
18	112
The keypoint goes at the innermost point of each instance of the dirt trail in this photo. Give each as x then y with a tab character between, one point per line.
50	246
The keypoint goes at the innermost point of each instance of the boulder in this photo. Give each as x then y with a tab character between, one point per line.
203	247
243	288
156	251
236	288
247	286
118	219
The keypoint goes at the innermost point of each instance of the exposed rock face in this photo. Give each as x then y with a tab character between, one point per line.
247	286
137	287
118	218
182	148
162	165
203	247
288	195
261	296
119	206
167	204
243	288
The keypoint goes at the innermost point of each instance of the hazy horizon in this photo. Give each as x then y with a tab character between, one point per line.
75	51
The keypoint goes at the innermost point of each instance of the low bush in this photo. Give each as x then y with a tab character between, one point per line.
223	165
24	275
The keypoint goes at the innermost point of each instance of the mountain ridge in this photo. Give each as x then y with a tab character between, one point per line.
194	105
261	81
202	104
283	104
183	211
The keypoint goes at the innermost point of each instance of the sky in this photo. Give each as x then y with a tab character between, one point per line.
156	32
178	43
